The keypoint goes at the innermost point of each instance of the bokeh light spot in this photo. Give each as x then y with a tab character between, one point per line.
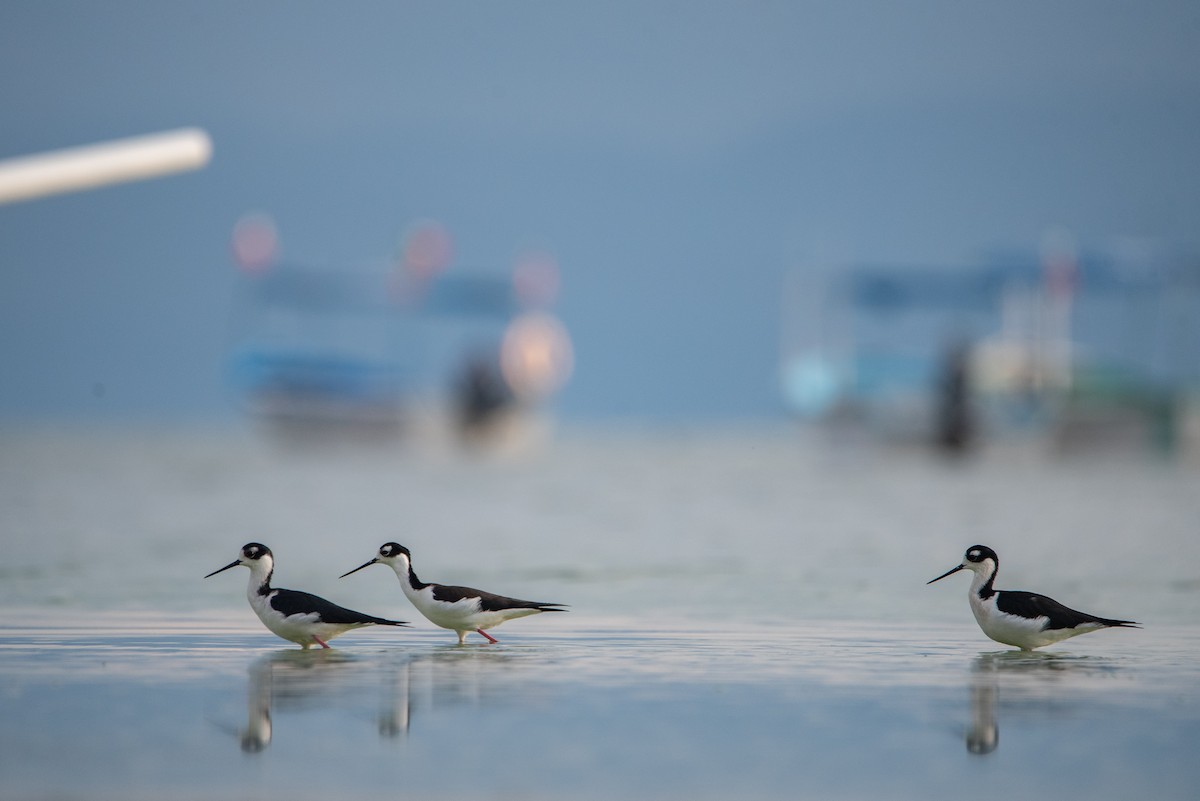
255	242
536	356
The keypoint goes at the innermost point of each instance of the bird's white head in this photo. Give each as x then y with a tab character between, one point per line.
391	554
255	556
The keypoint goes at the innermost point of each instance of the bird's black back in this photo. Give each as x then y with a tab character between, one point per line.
1032	605
296	602
488	601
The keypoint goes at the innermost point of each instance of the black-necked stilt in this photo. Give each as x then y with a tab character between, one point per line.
460	609
296	616
1024	619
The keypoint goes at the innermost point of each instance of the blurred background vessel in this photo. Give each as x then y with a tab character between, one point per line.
1085	350
409	348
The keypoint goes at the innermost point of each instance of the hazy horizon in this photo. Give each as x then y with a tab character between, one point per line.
677	159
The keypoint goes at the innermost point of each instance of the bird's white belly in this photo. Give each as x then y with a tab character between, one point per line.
299	629
463	615
296	628
1022	632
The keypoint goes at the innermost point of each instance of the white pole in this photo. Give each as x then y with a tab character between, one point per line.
79	168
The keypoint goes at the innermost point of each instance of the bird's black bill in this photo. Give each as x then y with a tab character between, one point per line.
234	563
360	567
950	572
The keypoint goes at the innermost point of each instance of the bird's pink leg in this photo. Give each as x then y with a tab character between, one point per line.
320	642
489	637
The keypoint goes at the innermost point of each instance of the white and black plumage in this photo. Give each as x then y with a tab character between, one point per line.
1024	619
460	609
300	617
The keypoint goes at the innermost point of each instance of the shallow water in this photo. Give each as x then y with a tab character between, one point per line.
748	619
147	708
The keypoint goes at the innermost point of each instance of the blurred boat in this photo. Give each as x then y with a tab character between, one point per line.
1079	351
387	351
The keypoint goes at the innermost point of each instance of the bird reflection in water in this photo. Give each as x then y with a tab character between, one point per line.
286	680
443	678
304	680
1029	680
984	734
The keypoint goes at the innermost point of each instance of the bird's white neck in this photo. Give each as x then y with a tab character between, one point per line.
404	571
260	577
983	579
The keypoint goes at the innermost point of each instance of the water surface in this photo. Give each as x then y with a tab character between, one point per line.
748	619
144	709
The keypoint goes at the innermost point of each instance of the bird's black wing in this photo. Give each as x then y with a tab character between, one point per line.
295	602
1032	605
489	601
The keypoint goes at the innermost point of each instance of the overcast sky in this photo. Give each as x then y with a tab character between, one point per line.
678	158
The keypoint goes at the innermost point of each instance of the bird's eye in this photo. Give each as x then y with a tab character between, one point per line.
973	555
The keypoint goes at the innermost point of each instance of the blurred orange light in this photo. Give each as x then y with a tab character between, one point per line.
536	357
